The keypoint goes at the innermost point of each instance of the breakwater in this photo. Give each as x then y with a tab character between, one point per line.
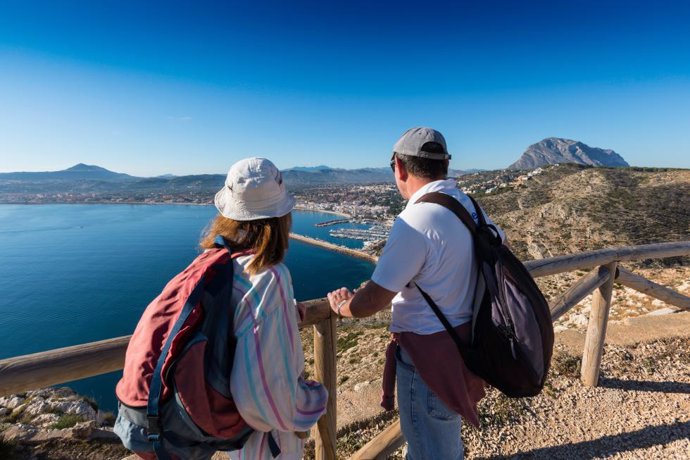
334	247
332	222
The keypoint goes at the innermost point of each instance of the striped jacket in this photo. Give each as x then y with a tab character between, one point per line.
266	380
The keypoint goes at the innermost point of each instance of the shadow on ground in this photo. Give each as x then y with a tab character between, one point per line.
609	445
637	385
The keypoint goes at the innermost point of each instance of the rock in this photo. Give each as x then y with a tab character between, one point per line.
45	420
36	406
84	430
74	407
4	411
662	311
18	432
12	402
360	386
103	435
49	435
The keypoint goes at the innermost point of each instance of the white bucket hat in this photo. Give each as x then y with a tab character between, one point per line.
254	189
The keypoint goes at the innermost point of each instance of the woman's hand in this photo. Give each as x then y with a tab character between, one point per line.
338	299
301	311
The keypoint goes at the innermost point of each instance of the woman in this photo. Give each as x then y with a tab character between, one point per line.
190	384
266	380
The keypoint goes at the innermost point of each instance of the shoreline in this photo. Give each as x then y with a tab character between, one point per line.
334	247
308	209
163	203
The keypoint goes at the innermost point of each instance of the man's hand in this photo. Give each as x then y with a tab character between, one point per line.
338	299
365	302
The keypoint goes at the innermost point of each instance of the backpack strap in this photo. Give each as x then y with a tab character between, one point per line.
155	430
441	317
458	209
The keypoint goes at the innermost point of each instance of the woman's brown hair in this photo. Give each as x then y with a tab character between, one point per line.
267	238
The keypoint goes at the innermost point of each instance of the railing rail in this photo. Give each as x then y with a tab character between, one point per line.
67	364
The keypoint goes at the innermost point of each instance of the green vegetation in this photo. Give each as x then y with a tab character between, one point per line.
566	365
500	411
348	340
67	421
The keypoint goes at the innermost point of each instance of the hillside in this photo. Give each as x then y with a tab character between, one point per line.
554	150
571	208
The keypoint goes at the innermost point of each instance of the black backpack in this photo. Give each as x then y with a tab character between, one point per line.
512	333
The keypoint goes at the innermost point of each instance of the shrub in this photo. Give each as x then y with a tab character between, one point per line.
67	421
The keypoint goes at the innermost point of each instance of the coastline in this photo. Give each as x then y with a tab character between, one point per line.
308	209
334	247
163	203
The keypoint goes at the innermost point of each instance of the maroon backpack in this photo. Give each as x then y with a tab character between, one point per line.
512	332
174	394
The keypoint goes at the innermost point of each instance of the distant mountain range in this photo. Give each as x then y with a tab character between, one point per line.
555	150
84	182
295	177
77	172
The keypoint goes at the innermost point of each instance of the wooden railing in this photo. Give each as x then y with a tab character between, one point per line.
62	365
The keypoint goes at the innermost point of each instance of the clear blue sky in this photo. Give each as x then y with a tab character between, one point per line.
150	88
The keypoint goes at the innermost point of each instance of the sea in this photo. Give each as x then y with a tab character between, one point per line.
72	273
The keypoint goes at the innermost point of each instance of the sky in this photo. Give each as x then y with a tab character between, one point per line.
151	88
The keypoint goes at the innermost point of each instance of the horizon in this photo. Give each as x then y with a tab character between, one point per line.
170	88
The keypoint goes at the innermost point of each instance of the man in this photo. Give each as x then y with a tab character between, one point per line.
431	248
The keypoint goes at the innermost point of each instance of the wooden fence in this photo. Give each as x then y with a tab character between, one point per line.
67	364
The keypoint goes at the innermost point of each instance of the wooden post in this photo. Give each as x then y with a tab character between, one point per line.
325	372
596	330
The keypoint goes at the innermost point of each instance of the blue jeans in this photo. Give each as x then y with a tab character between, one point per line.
431	429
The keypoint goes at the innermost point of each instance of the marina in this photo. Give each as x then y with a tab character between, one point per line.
374	233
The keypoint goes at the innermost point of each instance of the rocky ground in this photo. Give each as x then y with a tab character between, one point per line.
641	409
56	423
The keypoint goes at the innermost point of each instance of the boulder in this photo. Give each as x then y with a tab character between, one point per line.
36	406
12	402
19	432
74	407
45	420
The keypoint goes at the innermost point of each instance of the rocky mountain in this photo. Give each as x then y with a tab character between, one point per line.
555	150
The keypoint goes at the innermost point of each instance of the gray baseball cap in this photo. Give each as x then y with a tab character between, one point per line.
412	143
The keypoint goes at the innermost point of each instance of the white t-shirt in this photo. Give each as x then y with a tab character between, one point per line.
430	246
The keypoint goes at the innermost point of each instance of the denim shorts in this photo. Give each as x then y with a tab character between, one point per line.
431	429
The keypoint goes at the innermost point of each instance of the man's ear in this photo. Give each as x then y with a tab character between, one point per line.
400	169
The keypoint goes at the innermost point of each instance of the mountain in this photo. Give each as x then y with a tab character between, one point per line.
78	172
88	183
309	168
555	150
323	175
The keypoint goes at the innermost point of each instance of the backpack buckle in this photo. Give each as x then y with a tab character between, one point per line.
154	428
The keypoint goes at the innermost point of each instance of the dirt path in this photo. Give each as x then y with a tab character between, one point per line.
641	408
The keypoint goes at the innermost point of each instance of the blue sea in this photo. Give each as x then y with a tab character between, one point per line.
72	274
